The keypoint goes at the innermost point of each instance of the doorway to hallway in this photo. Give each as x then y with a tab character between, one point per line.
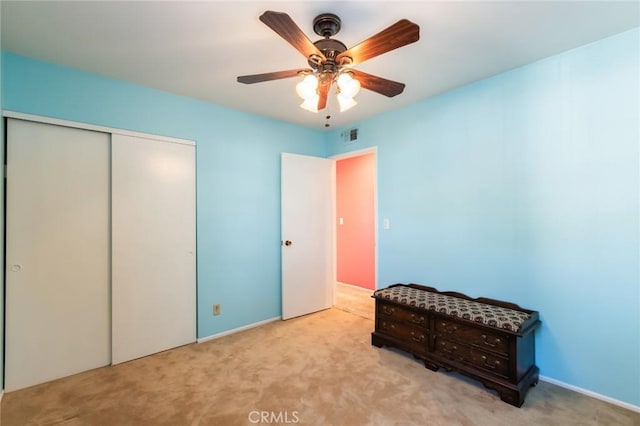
356	220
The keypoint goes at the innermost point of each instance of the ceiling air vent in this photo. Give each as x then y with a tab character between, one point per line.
349	136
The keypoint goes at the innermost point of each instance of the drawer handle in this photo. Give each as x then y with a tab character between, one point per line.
447	350
388	326
493	366
417	320
387	310
493	345
451	329
419	338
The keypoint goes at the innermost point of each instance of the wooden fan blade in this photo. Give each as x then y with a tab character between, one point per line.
282	24
377	84
259	78
323	91
397	35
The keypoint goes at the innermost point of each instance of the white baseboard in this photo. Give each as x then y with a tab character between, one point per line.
237	330
357	287
622	404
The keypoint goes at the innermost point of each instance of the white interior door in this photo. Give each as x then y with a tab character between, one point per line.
308	271
153	246
57	286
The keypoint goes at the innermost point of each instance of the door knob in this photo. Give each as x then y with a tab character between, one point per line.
288	243
16	268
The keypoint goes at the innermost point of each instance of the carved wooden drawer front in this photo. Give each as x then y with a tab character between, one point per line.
412	336
475	336
404	315
475	357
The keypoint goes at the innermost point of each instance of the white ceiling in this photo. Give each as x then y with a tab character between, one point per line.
197	49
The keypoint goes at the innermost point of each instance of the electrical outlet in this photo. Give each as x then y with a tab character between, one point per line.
216	309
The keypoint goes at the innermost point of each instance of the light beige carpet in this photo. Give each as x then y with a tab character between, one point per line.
319	370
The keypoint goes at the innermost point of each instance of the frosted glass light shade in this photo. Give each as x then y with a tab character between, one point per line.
345	102
307	87
349	86
311	104
343	78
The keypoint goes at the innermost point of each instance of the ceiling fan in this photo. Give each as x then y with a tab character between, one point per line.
331	61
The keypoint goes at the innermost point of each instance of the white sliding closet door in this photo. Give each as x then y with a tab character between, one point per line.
153	246
57	270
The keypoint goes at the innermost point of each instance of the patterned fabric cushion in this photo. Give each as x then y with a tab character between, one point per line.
494	316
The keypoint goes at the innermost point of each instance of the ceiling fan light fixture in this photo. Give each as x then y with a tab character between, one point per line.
311	103
330	60
349	86
346	102
307	88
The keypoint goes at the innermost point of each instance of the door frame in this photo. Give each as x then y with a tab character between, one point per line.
357	153
96	128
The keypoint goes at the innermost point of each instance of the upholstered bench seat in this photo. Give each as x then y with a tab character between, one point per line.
490	315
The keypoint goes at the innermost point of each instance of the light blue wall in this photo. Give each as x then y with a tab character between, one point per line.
238	175
525	187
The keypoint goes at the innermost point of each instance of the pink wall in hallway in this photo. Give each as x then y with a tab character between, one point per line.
355	205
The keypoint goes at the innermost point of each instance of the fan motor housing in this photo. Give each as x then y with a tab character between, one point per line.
330	48
327	24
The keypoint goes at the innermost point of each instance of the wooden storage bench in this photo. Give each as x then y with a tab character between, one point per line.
489	340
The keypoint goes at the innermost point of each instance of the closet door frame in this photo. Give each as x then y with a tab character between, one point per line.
114	131
96	128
